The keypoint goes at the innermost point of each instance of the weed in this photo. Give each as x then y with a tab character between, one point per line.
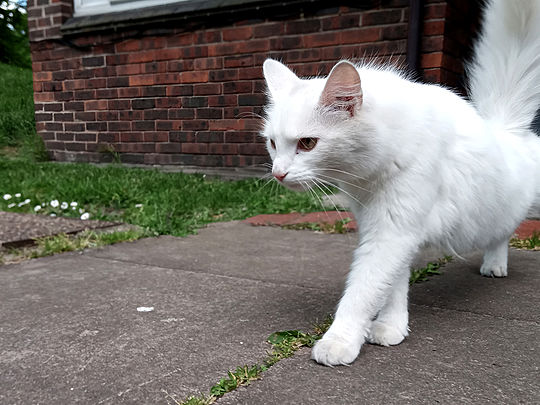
284	343
337	227
530	243
51	245
432	268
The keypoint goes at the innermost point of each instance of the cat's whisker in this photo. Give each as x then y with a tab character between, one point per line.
343	191
343	172
320	200
344	182
318	185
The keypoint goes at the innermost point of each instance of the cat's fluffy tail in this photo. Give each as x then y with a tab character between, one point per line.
505	73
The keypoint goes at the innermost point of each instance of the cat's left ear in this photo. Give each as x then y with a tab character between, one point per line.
279	78
343	89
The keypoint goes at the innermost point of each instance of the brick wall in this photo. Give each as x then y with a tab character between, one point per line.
449	29
169	95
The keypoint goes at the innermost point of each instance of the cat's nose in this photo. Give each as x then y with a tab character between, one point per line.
279	176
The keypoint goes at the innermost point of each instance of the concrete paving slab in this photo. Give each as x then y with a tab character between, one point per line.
462	288
20	229
302	258
453	357
70	331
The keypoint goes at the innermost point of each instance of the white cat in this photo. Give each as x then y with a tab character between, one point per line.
420	165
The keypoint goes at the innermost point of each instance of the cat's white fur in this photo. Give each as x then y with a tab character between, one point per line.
420	164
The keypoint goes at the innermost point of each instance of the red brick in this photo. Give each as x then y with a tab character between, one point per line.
434	11
168	54
268	30
194	77
237	33
431	60
194	148
42	76
340	22
95	105
180	40
138	57
131	45
433	28
223	149
322	39
207	63
141	80
359	36
206	89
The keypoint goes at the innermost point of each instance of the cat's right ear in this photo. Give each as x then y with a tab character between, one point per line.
279	77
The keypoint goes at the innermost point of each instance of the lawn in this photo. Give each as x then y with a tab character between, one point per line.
164	203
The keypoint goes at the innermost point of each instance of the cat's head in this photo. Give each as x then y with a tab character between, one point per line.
311	124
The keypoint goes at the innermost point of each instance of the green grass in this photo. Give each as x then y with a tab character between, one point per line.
431	269
51	245
17	125
165	203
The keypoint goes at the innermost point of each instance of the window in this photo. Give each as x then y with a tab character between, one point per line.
89	7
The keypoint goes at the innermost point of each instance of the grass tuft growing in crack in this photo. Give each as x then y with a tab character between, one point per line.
431	269
284	344
51	245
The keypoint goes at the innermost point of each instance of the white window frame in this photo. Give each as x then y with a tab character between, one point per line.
90	7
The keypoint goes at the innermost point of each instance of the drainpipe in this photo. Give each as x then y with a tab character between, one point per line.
414	35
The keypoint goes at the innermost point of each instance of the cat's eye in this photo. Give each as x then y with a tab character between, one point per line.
307	144
273	144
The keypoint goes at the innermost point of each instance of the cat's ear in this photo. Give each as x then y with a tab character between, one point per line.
279	77
343	88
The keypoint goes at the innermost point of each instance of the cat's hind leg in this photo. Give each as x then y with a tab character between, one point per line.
390	326
496	260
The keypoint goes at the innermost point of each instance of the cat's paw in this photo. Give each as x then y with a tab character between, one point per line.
385	335
334	351
494	270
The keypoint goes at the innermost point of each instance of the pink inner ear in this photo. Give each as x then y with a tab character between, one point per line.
343	89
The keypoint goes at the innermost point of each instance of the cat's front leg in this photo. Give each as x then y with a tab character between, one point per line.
392	323
376	268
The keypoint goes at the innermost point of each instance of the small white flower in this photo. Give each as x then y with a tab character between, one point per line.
24	202
81	210
11	205
85	216
64	205
138	205
53	214
43	205
37	208
18	195
73	208
74	203
55	203
7	197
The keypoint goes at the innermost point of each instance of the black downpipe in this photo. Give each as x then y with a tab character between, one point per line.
414	35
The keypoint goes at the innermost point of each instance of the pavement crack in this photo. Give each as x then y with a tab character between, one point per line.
224	276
